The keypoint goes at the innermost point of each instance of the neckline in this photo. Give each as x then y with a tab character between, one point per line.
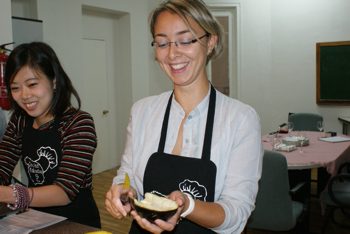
208	130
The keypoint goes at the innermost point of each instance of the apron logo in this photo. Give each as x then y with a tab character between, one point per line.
46	158
194	188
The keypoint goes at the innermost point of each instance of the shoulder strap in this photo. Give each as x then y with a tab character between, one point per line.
209	125
165	126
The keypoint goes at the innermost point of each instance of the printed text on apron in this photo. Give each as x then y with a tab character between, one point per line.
42	154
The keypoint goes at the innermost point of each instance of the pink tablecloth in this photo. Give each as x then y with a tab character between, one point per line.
316	154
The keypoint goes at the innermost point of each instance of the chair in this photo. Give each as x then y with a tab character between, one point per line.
337	196
305	121
275	210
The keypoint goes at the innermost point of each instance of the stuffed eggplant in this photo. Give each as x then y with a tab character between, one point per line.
155	207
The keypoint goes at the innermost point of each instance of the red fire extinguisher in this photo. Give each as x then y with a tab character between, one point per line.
4	101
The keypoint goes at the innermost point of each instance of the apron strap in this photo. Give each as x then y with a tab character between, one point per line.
209	125
208	129
165	126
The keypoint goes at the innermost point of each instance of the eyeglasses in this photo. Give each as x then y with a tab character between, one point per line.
182	43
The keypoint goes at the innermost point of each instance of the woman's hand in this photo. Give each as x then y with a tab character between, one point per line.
160	225
113	202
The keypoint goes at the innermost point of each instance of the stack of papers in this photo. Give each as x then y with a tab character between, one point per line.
335	139
27	222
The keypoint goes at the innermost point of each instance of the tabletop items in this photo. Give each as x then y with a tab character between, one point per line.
287	143
317	153
28	221
284	147
296	140
335	139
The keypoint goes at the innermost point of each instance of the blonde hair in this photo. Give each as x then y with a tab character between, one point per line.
197	11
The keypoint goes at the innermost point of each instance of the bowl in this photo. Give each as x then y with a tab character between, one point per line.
154	207
296	140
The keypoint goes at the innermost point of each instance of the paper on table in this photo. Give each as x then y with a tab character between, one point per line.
335	139
28	221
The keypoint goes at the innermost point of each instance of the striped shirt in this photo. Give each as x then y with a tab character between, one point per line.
78	142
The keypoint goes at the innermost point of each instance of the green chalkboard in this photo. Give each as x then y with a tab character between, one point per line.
333	72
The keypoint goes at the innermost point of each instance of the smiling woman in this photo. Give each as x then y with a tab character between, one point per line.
199	147
33	92
54	140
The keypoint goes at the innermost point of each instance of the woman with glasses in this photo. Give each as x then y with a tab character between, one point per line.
192	144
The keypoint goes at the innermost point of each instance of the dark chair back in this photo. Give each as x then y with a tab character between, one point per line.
275	210
305	121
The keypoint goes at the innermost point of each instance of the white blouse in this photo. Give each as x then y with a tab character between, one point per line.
236	149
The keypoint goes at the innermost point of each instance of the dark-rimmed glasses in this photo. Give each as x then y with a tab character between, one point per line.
179	43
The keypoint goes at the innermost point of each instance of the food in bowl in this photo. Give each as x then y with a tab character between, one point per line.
296	140
154	207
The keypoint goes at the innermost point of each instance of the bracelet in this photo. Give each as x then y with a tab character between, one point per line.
15	195
21	196
190	206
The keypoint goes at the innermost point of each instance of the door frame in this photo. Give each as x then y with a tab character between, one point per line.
232	10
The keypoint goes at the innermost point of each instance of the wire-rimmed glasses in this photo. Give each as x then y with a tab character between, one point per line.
182	43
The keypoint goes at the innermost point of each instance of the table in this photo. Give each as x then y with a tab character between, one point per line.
67	227
316	154
32	219
346	123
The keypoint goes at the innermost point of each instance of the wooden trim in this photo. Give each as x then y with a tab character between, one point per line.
319	100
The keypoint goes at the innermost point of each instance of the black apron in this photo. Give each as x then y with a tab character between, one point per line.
42	155
165	173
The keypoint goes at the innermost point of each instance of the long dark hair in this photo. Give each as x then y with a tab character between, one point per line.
41	57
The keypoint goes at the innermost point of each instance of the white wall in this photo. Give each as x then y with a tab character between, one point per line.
62	30
277	54
277	68
5	22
